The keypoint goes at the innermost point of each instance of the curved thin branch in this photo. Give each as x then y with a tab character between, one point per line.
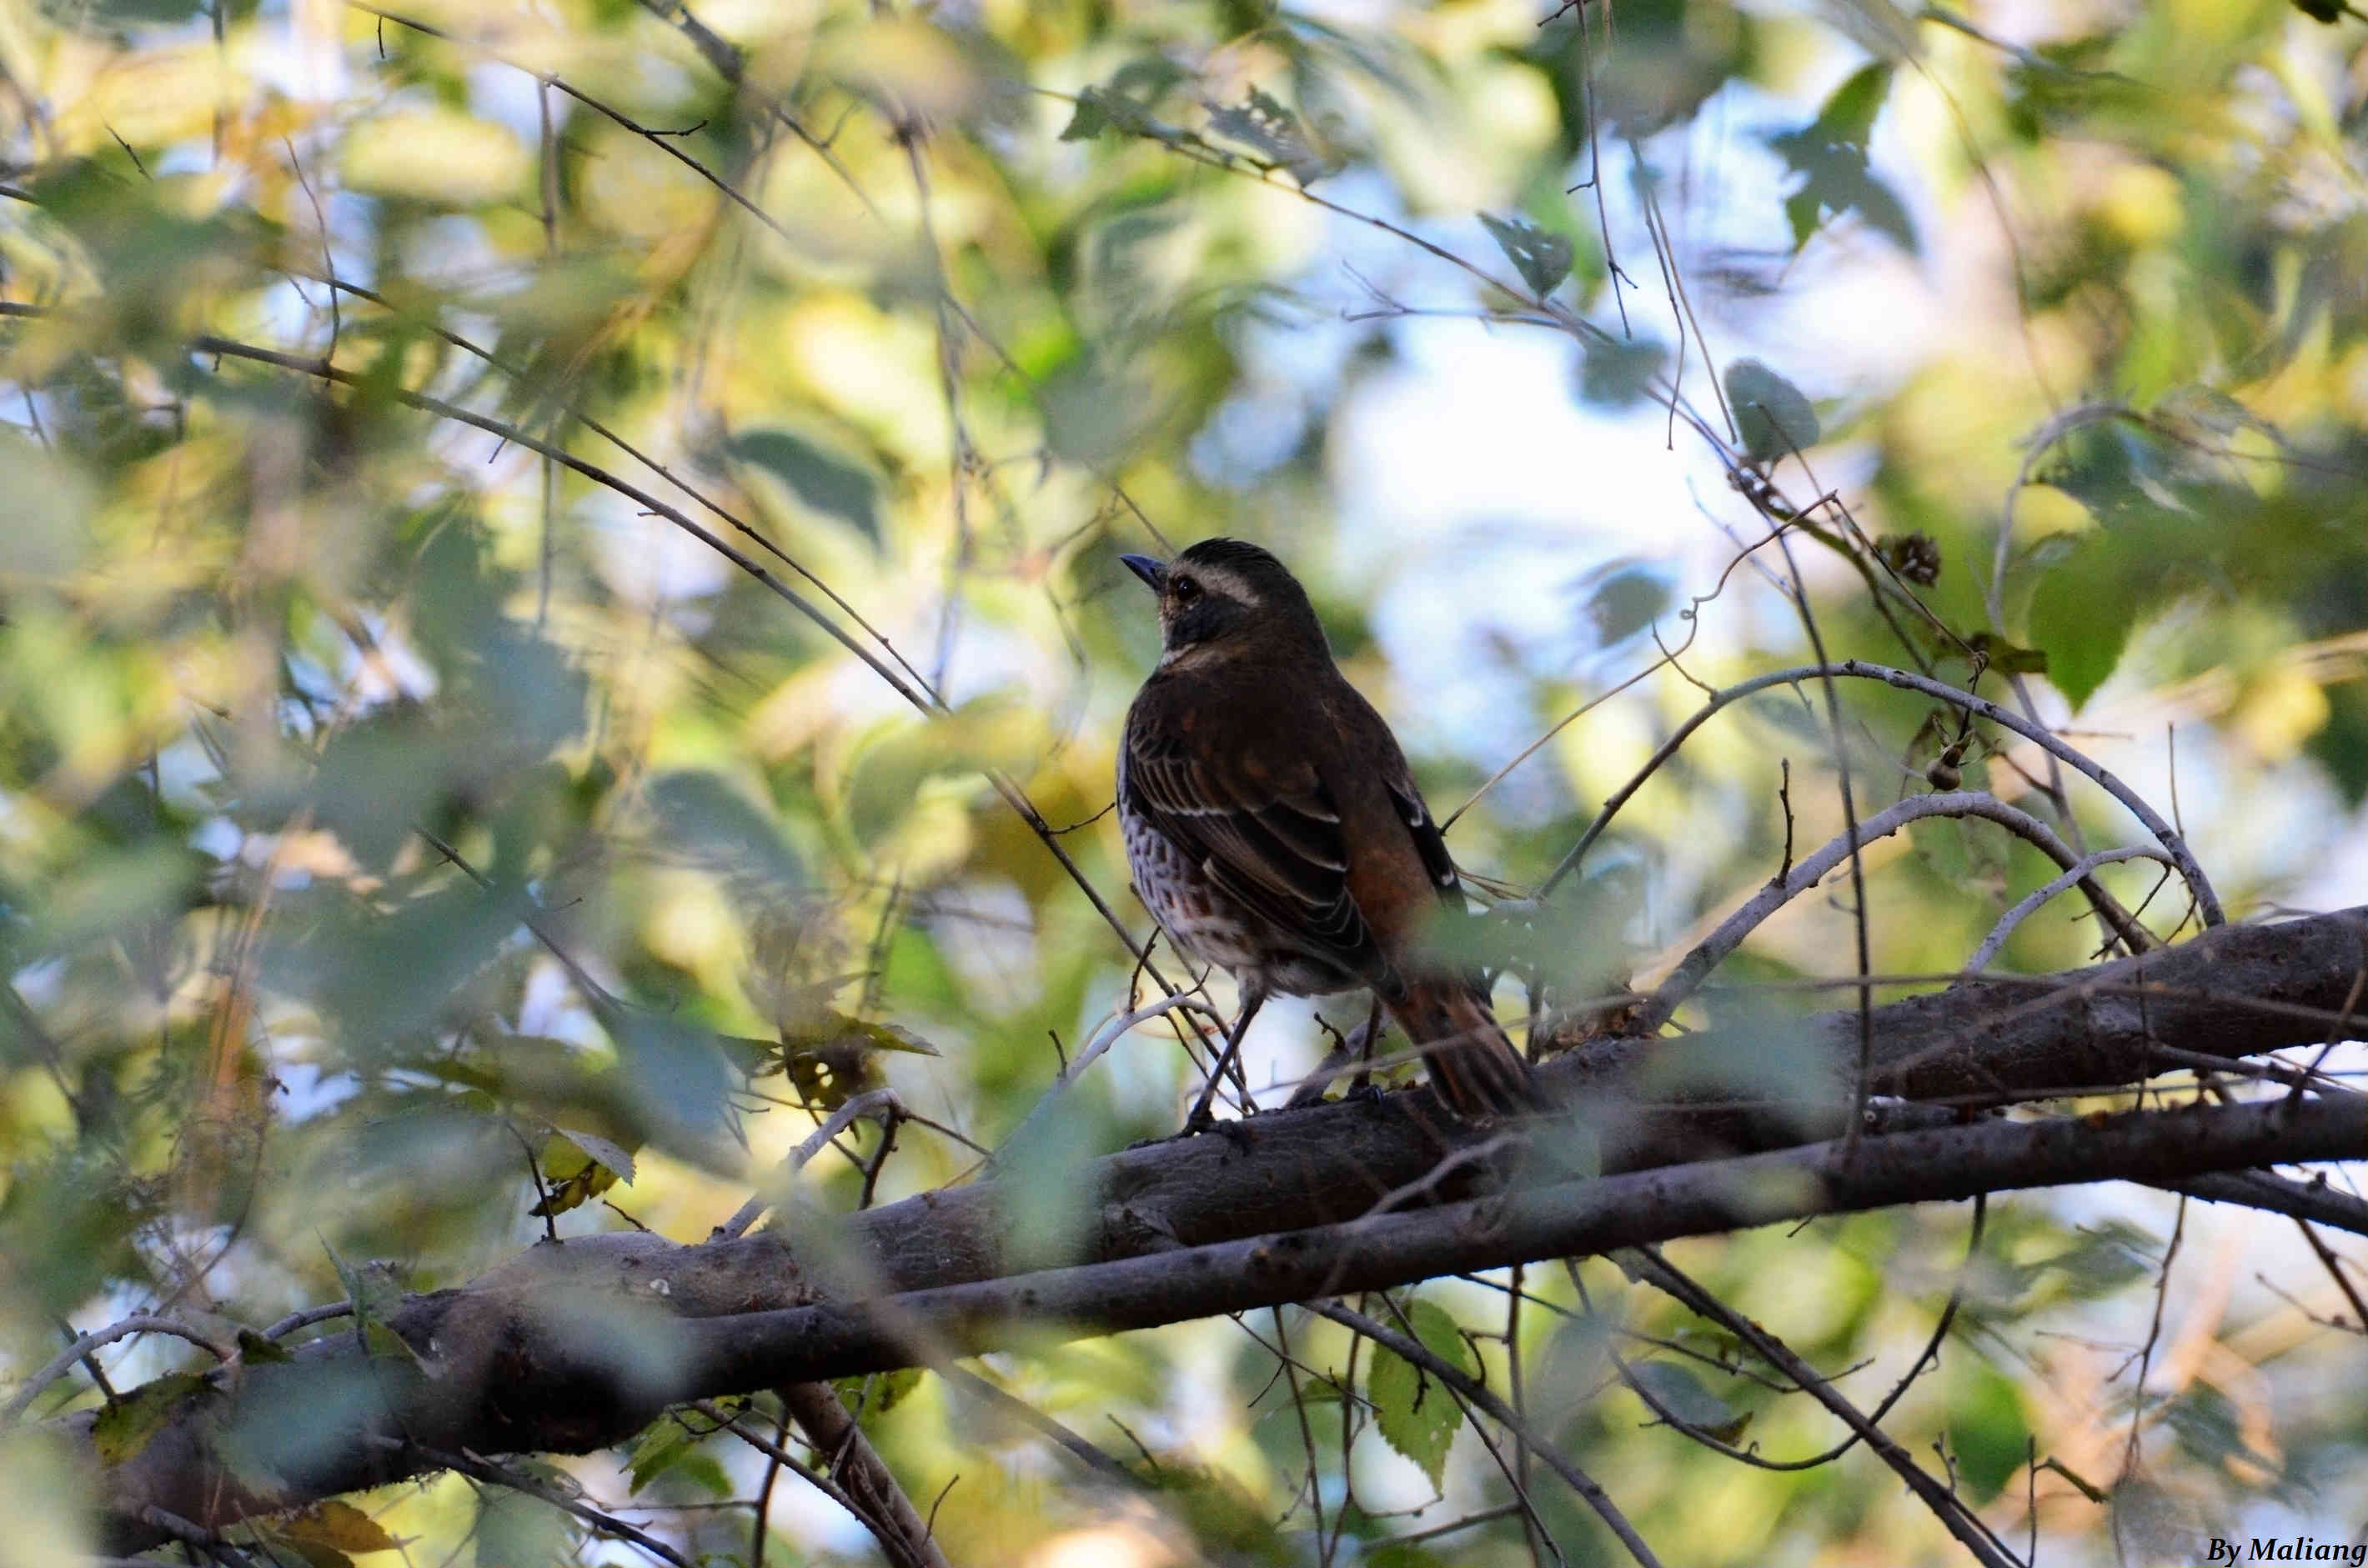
1945	1505
600	1521
63	1361
924	702
1407	1347
1811	869
306	1317
1929	1356
1113	1030
849	1458
2172	841
2029	903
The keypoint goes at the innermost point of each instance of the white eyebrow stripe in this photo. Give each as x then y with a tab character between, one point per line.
1224	581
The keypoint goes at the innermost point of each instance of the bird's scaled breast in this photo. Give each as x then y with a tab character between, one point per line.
1202	920
1209	924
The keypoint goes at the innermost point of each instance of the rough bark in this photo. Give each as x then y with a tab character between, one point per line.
578	1345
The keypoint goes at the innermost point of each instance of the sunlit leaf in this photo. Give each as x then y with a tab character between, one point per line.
441	156
662	1446
2082	613
1413	1411
515	1529
46	536
578	1167
339	1526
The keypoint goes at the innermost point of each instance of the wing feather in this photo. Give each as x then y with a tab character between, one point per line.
1264	828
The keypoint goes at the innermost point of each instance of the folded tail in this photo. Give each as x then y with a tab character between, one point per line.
1473	1066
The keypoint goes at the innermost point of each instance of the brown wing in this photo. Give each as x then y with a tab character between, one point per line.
1366	735
1256	815
1427	843
1445	1010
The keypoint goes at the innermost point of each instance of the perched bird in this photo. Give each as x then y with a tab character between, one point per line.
1274	827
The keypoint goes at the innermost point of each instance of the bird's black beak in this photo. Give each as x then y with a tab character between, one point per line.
1152	572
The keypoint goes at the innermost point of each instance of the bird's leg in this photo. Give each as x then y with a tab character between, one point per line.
1311	1088
1357	1046
1363	1082
1252	1000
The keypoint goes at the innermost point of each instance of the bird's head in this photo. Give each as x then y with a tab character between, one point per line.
1223	597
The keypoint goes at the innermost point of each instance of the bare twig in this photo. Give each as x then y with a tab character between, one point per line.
1952	1511
2172	843
1706	955
58	1365
1411	1349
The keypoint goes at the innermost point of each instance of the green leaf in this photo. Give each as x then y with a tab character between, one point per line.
131	13
1088	120
1988	1433
1672	1387
1770	415
375	1291
1829	154
254	1350
1622	598
1616	373
1259	121
887	1390
2081	616
1414	1414
1541	256
662	1445
826	483
679	1078
517	1529
128	1424
1145	79
1848	114
716	825
2210	1430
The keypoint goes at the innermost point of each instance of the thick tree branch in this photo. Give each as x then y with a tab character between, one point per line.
1557	1219
577	1344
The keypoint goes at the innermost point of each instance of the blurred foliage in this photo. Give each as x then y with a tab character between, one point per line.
410	836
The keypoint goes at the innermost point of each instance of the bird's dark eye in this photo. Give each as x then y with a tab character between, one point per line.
1186	590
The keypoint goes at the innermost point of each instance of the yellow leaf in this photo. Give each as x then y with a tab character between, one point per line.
340	1526
439	156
